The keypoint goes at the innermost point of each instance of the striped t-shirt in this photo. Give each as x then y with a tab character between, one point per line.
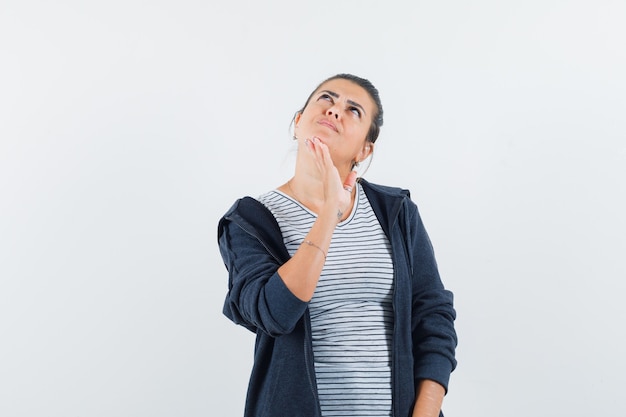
351	311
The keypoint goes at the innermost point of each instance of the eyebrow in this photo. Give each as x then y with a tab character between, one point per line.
352	103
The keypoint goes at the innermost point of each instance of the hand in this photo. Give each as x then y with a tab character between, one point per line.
429	397
337	193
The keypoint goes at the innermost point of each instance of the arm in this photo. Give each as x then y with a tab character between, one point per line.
301	273
252	249
266	292
434	336
429	397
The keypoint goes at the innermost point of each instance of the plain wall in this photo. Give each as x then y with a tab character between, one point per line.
127	128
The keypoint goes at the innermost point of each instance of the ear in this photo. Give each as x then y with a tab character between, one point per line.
297	118
367	150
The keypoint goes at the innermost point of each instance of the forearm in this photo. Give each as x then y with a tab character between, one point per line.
429	397
301	273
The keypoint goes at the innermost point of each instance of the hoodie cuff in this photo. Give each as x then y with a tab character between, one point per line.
436	368
285	308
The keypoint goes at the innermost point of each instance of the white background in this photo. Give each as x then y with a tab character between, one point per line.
128	127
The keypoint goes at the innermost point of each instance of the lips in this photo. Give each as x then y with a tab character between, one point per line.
328	124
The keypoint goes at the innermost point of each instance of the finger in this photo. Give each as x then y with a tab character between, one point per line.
319	145
314	148
323	152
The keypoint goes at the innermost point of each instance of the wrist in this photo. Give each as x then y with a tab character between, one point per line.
332	213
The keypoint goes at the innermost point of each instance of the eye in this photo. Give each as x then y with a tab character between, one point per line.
326	97
355	111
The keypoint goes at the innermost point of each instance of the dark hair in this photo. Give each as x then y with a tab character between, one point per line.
377	119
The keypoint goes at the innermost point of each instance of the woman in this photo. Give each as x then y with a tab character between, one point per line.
337	277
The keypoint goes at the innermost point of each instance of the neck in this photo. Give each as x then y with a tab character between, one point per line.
307	190
307	185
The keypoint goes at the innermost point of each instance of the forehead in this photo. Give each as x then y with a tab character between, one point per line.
348	90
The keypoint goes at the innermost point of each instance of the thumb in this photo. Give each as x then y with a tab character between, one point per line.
350	180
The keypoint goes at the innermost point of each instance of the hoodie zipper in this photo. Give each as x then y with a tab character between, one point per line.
394	374
307	324
308	361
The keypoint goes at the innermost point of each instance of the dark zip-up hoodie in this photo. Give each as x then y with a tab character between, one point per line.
282	383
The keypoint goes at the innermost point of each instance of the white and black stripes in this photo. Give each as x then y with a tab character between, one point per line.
351	311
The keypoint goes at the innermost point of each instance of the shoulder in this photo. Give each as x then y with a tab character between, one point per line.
392	205
384	190
388	197
250	214
246	208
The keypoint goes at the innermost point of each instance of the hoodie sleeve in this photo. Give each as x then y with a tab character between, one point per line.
257	297
434	337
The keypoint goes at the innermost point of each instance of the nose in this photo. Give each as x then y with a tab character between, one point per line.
332	112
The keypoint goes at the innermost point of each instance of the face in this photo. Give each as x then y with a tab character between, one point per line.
340	114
